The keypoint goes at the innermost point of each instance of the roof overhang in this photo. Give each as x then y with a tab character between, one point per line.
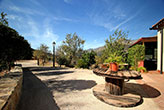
145	39
158	25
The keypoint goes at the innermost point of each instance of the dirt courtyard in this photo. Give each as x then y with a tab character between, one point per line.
69	89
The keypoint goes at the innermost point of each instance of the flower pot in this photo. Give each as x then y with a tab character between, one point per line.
142	71
113	67
140	63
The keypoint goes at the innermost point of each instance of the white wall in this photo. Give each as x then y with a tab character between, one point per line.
159	50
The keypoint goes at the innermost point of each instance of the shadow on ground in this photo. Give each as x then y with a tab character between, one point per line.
69	85
35	94
45	68
54	73
143	90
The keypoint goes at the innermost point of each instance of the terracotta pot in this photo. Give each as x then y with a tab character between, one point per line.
114	67
142	71
140	63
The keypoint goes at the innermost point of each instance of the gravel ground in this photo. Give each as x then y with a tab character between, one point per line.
72	89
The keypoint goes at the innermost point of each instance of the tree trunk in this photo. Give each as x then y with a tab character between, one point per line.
114	86
9	66
38	61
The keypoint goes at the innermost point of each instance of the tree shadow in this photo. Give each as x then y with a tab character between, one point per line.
12	75
143	90
69	85
45	68
35	94
54	73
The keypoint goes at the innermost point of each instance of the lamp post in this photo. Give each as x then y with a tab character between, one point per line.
53	53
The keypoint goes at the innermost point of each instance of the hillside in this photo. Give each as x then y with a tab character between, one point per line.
100	49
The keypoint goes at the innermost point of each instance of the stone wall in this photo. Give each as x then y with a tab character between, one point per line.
10	89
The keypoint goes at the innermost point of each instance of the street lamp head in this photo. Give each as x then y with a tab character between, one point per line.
53	43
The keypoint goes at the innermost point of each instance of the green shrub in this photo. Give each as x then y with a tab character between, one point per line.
141	68
122	67
82	64
135	54
114	58
88	58
61	60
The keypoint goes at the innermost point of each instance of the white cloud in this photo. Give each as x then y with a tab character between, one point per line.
112	15
41	35
112	27
22	19
35	33
24	10
112	22
118	13
49	35
125	21
14	17
64	19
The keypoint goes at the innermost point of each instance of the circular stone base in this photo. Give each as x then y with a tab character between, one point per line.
126	100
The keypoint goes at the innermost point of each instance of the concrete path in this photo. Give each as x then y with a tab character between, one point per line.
156	80
35	94
46	88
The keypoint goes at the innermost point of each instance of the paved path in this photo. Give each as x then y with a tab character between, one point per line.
46	88
156	80
35	94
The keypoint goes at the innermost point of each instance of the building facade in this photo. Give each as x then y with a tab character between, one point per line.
159	26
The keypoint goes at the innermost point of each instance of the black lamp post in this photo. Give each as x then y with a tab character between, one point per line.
53	53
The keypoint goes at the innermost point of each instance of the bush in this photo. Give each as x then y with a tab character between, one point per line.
61	60
82	63
141	68
87	60
135	54
99	60
113	58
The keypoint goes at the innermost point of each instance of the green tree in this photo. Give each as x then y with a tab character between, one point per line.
42	53
61	60
72	48
3	19
135	54
88	58
12	47
115	47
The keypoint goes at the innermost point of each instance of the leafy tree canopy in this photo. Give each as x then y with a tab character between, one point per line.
3	19
42	53
71	48
12	46
115	46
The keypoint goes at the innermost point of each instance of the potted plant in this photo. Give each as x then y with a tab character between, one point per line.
114	60
140	63
141	69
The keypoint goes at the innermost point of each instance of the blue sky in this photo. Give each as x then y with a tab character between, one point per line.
45	21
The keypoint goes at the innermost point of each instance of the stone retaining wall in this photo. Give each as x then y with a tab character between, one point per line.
10	89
